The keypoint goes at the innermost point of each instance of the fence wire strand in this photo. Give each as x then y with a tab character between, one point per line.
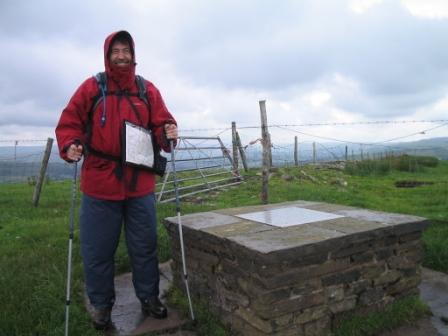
20	159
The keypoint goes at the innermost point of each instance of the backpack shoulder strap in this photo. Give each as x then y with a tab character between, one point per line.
142	92
101	80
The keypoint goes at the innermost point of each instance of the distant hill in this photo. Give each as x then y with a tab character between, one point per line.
437	147
330	151
17	164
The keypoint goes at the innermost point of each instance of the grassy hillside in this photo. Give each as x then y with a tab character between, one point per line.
33	241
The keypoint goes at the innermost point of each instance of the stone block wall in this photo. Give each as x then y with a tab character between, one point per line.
262	280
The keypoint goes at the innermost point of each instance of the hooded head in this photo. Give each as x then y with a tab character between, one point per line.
119	58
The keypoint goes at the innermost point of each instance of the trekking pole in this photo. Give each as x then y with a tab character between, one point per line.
173	165
70	243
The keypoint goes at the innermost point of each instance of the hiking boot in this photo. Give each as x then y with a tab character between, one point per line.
101	318
154	308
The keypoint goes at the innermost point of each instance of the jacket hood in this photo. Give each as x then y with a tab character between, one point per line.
124	77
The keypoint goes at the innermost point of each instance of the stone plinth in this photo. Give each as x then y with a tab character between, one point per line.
297	280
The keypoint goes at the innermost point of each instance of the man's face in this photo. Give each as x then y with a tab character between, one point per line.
120	54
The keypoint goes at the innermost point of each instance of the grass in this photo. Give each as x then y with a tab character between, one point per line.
404	311
34	240
207	323
383	166
33	252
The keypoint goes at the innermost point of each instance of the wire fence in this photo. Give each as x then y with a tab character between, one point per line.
20	160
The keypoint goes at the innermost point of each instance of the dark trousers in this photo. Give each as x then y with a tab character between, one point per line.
100	227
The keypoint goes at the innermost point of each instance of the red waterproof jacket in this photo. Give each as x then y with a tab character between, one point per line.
99	176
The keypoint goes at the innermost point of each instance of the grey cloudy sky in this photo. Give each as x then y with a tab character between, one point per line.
313	61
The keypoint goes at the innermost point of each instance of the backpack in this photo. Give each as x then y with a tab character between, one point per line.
142	94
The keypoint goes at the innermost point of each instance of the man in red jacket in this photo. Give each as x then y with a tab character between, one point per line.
114	192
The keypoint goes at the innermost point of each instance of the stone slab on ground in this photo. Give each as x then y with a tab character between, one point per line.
434	292
127	317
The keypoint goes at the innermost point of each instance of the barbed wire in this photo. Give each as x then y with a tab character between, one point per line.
377	122
412	134
224	129
285	127
365	143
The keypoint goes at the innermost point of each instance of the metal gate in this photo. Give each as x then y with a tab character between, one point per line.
202	164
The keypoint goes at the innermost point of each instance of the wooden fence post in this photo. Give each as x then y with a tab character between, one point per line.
346	153
43	169
234	148
314	152
242	153
296	151
266	149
